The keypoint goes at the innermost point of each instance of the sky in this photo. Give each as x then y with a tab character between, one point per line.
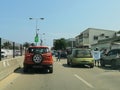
62	18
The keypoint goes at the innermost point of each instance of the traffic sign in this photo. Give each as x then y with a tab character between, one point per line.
36	38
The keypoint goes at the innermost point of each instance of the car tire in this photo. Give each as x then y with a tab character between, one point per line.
37	58
102	63
113	64
92	65
68	63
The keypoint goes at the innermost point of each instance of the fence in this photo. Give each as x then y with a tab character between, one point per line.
10	49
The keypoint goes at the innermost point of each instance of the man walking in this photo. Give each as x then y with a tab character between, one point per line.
58	56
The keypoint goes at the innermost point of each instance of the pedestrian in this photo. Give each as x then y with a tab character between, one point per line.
96	55
105	52
58	55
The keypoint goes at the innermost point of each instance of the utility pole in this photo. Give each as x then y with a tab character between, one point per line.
36	39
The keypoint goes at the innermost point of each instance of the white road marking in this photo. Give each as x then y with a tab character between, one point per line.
8	63
88	84
4	63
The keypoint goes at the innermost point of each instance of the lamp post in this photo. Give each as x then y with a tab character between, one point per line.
36	36
42	40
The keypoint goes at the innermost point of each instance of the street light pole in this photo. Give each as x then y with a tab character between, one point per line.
36	36
42	41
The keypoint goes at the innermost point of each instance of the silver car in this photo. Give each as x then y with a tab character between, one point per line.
111	58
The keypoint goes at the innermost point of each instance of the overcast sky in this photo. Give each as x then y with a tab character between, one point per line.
63	18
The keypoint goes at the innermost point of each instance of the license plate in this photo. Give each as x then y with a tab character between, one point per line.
37	66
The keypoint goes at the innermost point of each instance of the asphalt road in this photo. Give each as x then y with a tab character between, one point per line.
64	78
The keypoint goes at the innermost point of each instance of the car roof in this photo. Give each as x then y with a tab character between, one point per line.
81	49
116	49
38	47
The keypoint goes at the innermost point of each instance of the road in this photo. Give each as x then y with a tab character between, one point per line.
64	78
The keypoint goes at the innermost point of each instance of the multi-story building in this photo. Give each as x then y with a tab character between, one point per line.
70	42
92	35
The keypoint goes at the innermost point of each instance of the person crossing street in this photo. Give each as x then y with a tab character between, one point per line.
58	55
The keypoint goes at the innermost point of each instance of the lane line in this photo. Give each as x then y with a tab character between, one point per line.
88	84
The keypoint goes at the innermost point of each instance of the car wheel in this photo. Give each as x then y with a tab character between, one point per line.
113	64
102	63
92	65
37	58
68	62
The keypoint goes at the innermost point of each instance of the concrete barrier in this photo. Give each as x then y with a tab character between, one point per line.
8	66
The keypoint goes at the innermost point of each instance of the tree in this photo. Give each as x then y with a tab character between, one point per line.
7	45
26	44
60	44
32	44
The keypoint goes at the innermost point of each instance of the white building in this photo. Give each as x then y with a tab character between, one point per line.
92	35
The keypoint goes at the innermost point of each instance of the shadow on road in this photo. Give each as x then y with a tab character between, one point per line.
110	68
31	71
77	66
107	68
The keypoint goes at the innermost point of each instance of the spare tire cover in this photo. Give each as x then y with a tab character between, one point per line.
37	58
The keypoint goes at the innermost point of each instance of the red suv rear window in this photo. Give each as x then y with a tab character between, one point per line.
38	50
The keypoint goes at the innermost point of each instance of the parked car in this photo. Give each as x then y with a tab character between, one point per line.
3	54
80	56
56	54
17	53
53	52
38	57
63	54
111	58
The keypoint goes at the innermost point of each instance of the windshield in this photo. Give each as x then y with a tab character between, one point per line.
38	50
82	53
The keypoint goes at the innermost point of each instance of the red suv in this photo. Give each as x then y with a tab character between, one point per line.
38	57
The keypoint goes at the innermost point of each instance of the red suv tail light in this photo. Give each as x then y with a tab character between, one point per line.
28	56
47	57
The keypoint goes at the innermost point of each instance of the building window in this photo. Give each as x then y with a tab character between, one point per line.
95	38
86	35
102	35
106	36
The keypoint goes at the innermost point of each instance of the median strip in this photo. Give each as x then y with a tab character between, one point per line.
88	84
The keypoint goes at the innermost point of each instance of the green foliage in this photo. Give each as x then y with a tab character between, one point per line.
26	44
7	45
60	44
32	44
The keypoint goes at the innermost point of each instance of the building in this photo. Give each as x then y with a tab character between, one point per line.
70	42
110	43
91	36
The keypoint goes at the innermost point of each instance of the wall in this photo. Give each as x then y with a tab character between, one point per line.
8	66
